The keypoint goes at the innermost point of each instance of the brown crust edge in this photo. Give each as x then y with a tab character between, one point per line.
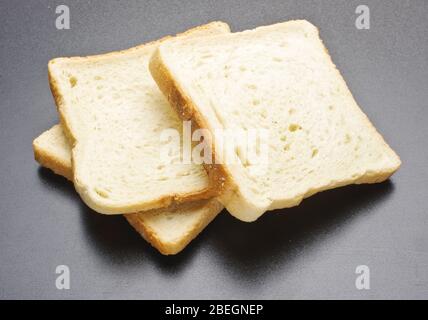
51	162
171	248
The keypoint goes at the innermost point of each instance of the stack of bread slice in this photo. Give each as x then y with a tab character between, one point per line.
114	108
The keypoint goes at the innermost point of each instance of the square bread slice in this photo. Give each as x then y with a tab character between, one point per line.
280	79
114	114
168	230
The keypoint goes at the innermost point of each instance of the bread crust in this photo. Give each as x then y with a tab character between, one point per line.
50	161
161	202
212	209
219	175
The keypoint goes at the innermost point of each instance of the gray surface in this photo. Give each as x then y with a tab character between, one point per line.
307	252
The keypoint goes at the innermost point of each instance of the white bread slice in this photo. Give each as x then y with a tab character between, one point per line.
279	78
169	231
113	114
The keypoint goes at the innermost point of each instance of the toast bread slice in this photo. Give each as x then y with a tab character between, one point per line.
113	114
278	78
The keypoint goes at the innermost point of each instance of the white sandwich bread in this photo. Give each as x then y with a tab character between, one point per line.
113	114
278	78
168	230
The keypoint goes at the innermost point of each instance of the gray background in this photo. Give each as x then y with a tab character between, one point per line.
307	252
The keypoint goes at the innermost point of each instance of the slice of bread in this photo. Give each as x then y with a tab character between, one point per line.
169	231
113	114
279	79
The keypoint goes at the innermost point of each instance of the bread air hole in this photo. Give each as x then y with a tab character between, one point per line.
294	127
314	153
102	193
348	138
240	156
73	81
